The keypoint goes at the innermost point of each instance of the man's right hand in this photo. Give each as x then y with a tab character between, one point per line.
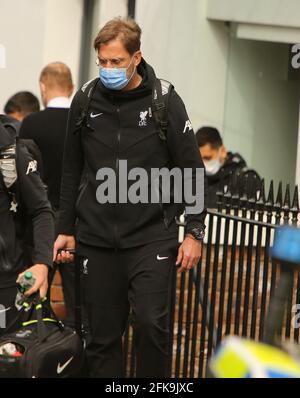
64	242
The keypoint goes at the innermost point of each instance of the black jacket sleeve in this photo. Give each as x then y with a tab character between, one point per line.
72	170
185	155
26	129
33	196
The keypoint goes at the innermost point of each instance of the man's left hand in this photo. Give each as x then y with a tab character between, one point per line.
189	253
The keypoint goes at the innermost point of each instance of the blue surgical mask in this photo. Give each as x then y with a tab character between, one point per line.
212	166
115	78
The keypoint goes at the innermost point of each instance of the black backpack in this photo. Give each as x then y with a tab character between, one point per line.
8	174
248	182
161	92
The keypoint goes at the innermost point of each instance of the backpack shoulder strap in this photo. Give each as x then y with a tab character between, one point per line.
160	98
86	92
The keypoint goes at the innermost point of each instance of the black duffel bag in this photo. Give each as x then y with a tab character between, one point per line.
44	347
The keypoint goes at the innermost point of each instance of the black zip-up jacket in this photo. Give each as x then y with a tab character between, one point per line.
120	126
34	203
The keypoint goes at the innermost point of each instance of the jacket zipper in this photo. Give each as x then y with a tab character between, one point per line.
116	230
83	189
163	210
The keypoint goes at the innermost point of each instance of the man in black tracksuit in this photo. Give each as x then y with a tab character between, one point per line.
32	206
224	169
129	250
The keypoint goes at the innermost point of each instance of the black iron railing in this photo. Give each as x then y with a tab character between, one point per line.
230	289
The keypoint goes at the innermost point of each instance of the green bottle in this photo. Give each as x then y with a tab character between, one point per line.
25	283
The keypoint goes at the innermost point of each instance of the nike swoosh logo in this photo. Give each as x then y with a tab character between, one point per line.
161	258
60	368
95	115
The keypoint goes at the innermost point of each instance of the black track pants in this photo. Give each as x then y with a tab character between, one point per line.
115	281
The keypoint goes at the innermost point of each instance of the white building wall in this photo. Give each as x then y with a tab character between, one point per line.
42	31
62	39
261	113
191	52
266	12
224	86
110	9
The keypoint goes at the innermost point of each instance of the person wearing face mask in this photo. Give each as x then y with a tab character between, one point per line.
47	129
129	249
221	165
19	173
